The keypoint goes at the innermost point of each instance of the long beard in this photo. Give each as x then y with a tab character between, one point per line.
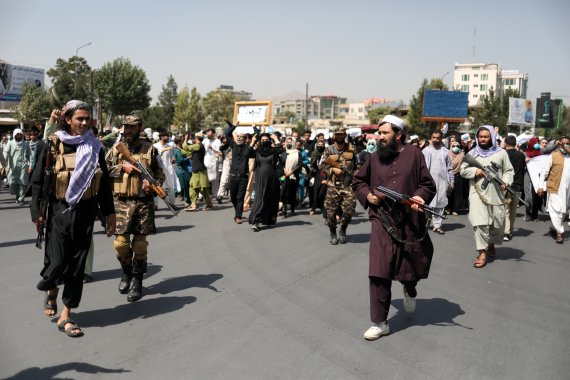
486	146
131	140
388	152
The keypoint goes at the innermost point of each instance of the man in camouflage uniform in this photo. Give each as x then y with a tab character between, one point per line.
134	205
338	162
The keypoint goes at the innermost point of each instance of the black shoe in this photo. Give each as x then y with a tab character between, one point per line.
334	238
411	290
528	219
125	283
87	278
135	293
342	235
219	200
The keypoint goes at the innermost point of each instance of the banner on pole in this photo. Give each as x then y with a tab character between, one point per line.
521	112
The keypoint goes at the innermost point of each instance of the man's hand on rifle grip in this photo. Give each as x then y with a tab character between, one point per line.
128	168
417	203
375	196
38	222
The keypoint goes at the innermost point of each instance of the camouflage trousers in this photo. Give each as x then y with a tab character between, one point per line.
135	215
339	201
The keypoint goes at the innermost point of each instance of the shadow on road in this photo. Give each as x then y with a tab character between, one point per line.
357	238
289	222
522	232
17	242
172	228
452	226
51	372
174	284
145	308
15	207
508	253
434	312
112	274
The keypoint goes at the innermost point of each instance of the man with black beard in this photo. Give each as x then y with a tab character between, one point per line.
134	205
400	247
339	162
487	204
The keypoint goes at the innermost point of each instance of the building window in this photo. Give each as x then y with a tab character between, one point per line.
509	82
475	75
484	76
484	87
483	97
465	78
465	88
475	95
475	85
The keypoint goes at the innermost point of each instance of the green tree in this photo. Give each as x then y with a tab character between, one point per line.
153	118
290	116
196	110
491	111
34	107
72	79
376	114
218	106
122	86
167	99
415	125
181	107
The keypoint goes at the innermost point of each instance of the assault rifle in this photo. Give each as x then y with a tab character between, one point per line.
491	174
336	164
153	183
408	201
44	201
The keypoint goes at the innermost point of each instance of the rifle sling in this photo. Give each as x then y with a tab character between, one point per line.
392	230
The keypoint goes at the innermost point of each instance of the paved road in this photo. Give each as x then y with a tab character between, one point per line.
223	302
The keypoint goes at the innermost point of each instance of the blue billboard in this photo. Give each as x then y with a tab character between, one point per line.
445	104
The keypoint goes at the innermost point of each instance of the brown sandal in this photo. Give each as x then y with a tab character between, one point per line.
481	260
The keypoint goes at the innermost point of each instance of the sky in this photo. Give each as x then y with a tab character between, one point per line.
356	49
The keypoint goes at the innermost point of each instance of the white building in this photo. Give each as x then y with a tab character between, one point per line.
479	78
515	80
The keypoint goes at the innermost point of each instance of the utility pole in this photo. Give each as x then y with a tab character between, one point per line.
306	105
76	59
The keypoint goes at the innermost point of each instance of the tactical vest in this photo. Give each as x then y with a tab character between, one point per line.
346	161
555	175
130	185
63	167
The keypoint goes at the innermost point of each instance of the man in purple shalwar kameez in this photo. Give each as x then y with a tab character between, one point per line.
400	247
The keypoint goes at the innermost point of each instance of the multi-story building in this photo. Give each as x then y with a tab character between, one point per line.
240	95
319	107
478	78
515	80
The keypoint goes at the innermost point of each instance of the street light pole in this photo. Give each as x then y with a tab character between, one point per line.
443	76
76	58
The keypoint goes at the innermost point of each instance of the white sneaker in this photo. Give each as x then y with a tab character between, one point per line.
409	302
255	227
376	331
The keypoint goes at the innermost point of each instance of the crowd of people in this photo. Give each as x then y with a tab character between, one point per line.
69	168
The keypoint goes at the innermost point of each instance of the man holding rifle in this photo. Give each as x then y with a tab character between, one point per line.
400	247
134	204
486	196
339	162
69	182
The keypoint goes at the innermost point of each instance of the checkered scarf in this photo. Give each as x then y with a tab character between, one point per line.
86	160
